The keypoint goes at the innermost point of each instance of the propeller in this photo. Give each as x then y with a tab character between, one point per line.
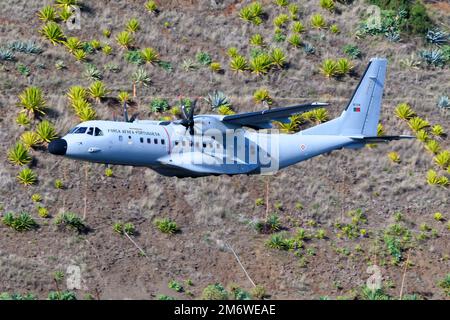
188	117
125	112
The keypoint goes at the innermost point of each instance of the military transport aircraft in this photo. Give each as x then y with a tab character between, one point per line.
243	143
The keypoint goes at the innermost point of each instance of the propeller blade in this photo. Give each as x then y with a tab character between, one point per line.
134	117
125	112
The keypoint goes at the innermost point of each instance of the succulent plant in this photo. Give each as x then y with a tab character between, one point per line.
432	57
437	37
217	99
444	102
6	55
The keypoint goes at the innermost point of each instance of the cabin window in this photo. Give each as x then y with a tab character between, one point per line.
81	130
90	131
129	137
163	141
141	140
213	137
120	138
98	132
176	143
155	141
149	140
204	145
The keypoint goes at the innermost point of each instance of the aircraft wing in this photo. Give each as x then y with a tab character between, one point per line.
262	119
380	139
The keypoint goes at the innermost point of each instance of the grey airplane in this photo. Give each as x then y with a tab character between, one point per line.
245	143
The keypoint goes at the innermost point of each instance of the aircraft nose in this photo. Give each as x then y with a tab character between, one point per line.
58	147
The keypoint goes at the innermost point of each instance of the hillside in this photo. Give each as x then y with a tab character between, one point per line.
357	208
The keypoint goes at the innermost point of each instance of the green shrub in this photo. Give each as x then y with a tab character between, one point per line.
134	57
352	51
166	225
20	222
203	58
133	25
404	112
252	13
150	55
318	21
70	220
214	292
327	4
46	131
52	32
442	159
159	105
238	63
174	285
32	100
62	295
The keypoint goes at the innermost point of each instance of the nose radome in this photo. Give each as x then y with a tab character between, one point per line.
58	147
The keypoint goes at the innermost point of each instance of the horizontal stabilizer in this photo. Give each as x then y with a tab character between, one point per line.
380	139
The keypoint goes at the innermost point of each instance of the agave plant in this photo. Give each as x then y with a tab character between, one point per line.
437	37
22	119
189	65
73	44
334	28
98	90
262	95
80	55
257	40
140	77
86	113
151	6
437	130
422	135
292	126
433	146
125	39
329	68
46	131
318	21
443	102
352	51
225	110
150	55
278	57
30	139
418	123
18	155
295	40
433	178
343	66
252	13
123	97
217	99
432	57
260	64
92	73
404	112
66	3
65	13
27	177
308	48
238	63
107	49
47	13
133	25
281	3
410	62
298	27
33	101
80	103
6	55
76	92
29	47
215	67
232	52
327	4
442	159
52	31
319	115
281	20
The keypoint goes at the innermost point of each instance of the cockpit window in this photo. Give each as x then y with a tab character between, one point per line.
72	130
98	132
90	131
80	130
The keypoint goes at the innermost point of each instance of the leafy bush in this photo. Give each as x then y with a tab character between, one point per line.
442	159
327	4
298	27
62	295
18	155
437	130
125	39
260	64
278	57
73	44
417	124
70	220
175	285
433	146
394	157
20	222
166	225
434	179
295	40
92	73
214	292
257	40
445	284
134	57
203	58
30	139
159	105
343	66
352	51
42	212
329	68
47	14
151	6
281	20
262	95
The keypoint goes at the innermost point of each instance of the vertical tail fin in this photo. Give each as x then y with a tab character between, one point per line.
361	116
